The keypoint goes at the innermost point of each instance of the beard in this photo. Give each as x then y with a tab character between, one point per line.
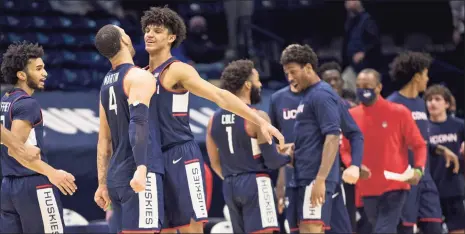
255	96
30	83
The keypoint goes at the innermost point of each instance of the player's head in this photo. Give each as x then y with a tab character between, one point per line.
331	73
111	39
300	63
163	29
353	6
368	86
411	68
241	78
22	63
438	100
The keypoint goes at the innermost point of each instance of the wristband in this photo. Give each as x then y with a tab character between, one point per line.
419	171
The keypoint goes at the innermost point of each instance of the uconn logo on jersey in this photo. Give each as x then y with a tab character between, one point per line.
418	115
443	138
289	113
300	109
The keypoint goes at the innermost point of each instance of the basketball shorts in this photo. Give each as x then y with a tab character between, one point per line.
422	204
454	212
340	220
319	214
30	204
135	212
184	186
251	203
292	217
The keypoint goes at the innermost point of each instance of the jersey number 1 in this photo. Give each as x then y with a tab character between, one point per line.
229	131
112	102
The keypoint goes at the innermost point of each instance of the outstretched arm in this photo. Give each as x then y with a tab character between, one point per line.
191	80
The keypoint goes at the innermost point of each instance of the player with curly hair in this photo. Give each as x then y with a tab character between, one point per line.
30	204
240	155
320	120
410	71
184	175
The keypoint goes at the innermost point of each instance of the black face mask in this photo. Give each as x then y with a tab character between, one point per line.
366	96
255	96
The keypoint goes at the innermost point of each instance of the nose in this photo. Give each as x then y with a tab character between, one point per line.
45	74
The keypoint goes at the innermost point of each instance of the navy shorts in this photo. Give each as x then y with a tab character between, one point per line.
454	212
138	211
320	214
340	220
30	204
422	204
184	186
292	217
251	202
384	211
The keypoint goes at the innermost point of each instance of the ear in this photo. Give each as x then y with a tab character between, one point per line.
21	75
248	84
308	68
379	87
171	38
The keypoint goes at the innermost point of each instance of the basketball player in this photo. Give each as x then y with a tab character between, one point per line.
16	148
184	175
283	110
410	71
30	204
447	131
128	128
320	117
240	155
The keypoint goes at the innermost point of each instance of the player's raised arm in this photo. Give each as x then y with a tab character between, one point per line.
16	148
104	152
191	80
212	151
140	86
21	127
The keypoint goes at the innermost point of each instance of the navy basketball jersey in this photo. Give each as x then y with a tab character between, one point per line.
18	105
173	111
239	152
115	103
450	134
418	108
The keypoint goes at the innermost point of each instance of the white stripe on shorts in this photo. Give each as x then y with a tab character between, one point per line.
266	202
51	217
195	182
148	203
309	212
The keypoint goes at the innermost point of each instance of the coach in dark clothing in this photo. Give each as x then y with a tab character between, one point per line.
362	47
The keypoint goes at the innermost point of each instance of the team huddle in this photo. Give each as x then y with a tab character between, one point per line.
151	171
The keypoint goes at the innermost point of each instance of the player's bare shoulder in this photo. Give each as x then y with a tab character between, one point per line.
176	73
139	73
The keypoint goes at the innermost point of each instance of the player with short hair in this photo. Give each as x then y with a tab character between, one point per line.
128	145
29	203
184	175
16	148
240	155
410	71
447	131
320	117
331	73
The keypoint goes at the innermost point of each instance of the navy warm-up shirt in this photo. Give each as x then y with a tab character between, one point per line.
450	134
418	108
282	112
320	113
18	105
